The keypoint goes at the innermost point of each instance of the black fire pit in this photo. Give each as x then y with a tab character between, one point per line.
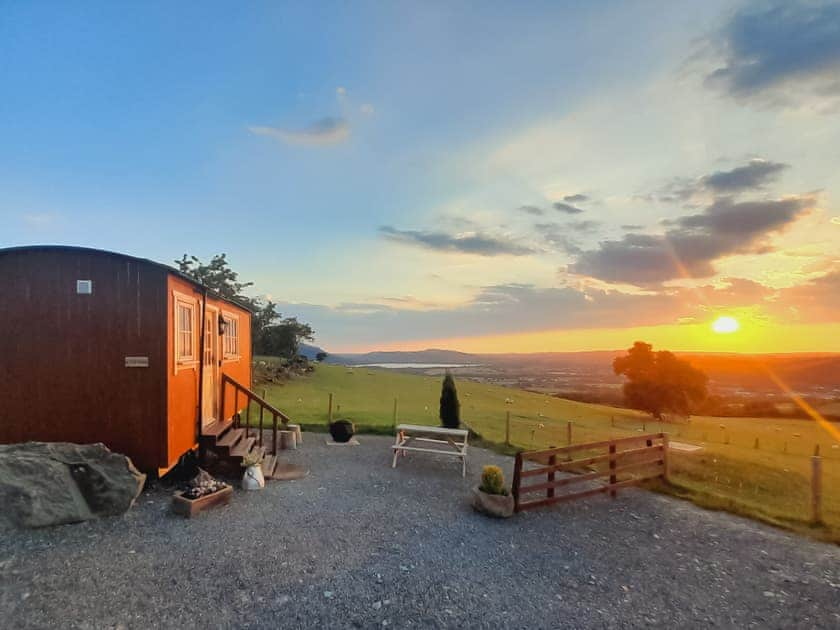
342	430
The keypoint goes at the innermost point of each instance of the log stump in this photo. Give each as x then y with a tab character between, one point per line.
288	440
298	432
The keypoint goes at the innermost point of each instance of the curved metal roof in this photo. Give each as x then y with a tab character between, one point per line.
105	252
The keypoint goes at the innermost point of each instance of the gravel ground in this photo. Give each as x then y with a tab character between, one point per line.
357	544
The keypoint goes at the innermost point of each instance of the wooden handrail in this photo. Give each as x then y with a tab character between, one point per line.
264	406
256	398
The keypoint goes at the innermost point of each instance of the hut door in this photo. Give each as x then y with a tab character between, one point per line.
210	357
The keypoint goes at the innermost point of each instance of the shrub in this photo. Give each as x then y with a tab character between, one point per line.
450	408
493	481
252	458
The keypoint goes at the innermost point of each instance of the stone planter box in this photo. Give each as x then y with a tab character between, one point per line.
190	507
498	505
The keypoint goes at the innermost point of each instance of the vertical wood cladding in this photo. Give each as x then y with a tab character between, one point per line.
99	367
63	374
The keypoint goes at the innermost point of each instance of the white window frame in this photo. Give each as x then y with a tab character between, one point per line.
184	361
229	318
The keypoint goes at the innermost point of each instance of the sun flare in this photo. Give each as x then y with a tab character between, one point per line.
725	325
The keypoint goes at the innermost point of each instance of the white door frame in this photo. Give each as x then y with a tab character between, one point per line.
210	366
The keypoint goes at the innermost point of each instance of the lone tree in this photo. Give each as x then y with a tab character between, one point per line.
659	382
271	333
450	408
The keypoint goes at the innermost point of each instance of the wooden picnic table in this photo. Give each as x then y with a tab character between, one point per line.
452	442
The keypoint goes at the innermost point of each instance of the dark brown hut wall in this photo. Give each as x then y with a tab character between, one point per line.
62	354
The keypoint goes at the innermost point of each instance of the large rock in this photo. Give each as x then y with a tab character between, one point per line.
45	483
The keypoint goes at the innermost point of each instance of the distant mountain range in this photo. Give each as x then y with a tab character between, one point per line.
309	351
415	356
798	371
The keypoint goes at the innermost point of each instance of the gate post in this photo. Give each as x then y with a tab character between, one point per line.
517	470
551	462
816	487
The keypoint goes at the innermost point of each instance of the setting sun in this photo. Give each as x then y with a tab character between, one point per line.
725	325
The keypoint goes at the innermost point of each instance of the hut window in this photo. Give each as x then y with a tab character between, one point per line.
231	336
185	345
84	287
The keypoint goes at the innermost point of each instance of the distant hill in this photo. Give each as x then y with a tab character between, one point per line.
416	356
309	351
799	372
807	372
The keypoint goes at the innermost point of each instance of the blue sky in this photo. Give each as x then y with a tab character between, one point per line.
402	173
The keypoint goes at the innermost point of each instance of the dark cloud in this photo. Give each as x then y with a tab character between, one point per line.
817	300
632	227
567	208
735	292
577	198
496	309
586	225
532	210
751	176
693	243
324	131
786	47
518	308
557	238
479	244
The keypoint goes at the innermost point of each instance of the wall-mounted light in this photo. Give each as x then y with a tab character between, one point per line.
222	325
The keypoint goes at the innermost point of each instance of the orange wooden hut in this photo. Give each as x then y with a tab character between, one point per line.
102	347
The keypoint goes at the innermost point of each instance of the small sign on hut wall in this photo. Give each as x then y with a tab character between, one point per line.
137	362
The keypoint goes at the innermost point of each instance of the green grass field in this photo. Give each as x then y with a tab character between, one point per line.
771	482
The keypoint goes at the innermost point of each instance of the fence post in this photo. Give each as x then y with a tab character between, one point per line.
517	470
612	471
665	441
329	410
507	430
395	413
569	433
816	487
551	462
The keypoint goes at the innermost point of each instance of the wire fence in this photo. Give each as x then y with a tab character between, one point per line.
759	467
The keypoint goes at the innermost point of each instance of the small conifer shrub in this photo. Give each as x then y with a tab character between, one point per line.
450	408
493	481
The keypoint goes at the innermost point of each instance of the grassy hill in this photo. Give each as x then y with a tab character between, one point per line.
770	482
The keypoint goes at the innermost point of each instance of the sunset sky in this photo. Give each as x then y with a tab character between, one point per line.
477	176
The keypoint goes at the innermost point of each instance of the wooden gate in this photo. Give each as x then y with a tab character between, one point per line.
623	462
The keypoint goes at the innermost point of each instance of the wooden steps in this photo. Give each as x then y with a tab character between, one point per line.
242	448
216	429
229	439
230	442
268	466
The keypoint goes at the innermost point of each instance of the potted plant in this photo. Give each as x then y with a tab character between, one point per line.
253	478
491	497
342	430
